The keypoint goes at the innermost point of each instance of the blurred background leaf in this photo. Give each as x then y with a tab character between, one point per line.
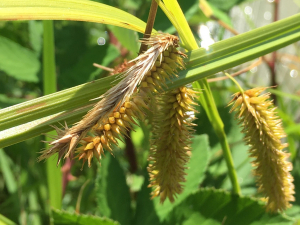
64	218
17	61
216	207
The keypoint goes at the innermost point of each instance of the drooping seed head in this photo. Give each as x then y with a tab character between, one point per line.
263	131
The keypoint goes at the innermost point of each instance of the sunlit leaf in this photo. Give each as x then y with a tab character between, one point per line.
77	10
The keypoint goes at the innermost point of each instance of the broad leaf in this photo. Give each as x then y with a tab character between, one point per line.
153	211
7	172
113	196
216	207
66	218
17	61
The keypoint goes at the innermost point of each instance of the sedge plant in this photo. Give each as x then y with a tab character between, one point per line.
153	81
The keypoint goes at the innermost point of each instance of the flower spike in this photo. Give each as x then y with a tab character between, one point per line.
263	131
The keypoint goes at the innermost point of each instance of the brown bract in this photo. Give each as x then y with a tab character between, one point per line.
263	131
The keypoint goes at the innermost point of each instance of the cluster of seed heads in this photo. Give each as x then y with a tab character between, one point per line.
106	133
140	90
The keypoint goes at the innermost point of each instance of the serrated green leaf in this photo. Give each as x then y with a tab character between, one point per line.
17	61
113	197
66	218
216	207
195	174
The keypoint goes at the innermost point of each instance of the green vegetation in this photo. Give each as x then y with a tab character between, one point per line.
47	78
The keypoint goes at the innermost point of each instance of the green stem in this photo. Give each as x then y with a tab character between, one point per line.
234	81
54	175
206	98
208	103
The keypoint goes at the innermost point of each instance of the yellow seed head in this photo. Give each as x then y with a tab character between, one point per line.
106	133
263	131
170	145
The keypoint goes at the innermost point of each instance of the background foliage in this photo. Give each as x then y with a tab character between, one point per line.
116	192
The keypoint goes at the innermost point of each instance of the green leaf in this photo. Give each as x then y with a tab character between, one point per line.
195	175
225	5
216	207
17	61
77	10
200	63
284	94
162	23
294	212
113	197
5	221
174	12
128	38
8	101
66	218
36	35
84	70
217	13
7	172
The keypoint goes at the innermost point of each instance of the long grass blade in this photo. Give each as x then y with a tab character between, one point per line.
77	10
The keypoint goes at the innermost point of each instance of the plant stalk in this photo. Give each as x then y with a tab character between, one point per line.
272	63
208	103
206	98
54	175
150	24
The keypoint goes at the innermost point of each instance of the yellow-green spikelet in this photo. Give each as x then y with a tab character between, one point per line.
263	131
165	67
106	133
170	144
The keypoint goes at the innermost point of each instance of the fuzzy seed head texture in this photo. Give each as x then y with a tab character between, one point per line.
170	144
145	75
263	131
